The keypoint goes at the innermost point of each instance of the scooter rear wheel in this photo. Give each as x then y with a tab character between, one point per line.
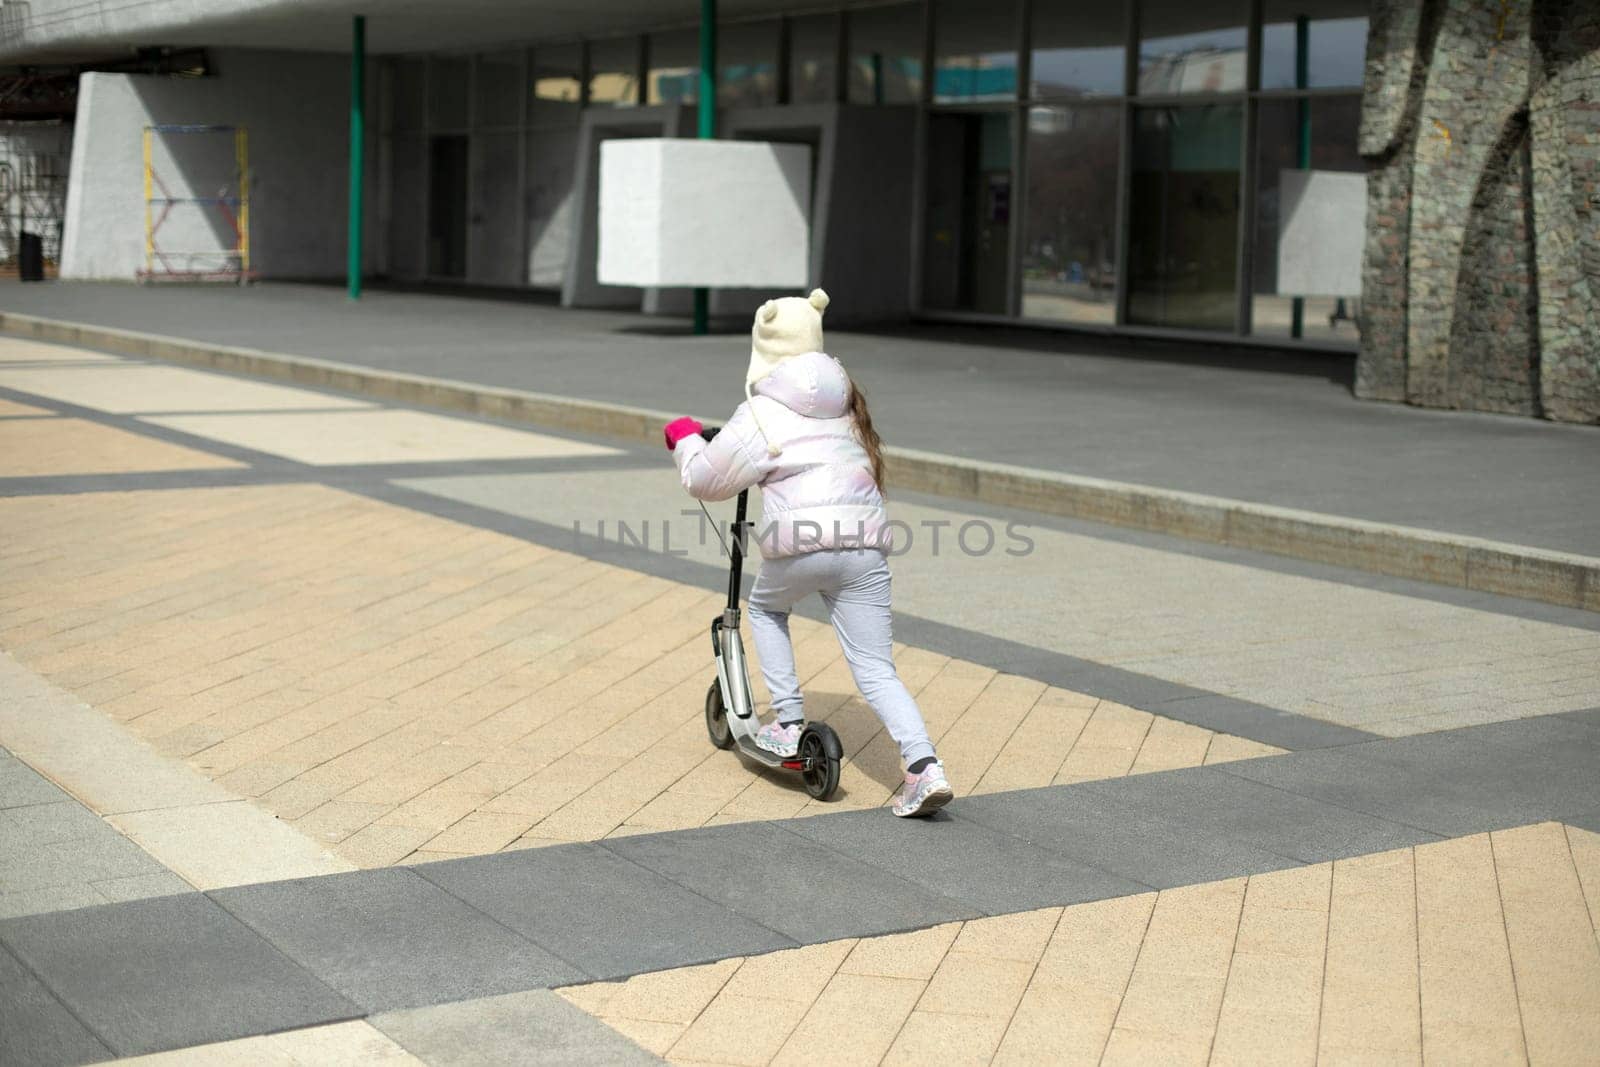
821	776
717	727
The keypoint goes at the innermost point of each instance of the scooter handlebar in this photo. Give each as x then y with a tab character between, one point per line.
709	432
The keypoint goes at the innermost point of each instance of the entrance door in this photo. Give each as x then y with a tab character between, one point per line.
447	206
1183	229
967	235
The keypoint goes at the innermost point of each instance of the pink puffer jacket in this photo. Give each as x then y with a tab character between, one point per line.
817	492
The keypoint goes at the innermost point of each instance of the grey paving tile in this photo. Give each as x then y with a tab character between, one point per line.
169	972
140	886
35	1029
1555	736
599	912
44	824
789	884
50	898
390	939
83	859
976	865
1258	722
1511	780
1120	837
1588	716
1282	822
1408	795
536	1027
21	786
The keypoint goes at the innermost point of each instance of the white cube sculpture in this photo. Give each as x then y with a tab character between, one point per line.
1322	229
718	214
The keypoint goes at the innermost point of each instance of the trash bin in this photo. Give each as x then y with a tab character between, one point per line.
30	257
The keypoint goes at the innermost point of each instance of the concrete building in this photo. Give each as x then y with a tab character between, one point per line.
1117	167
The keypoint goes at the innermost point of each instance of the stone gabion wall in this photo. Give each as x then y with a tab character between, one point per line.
1481	122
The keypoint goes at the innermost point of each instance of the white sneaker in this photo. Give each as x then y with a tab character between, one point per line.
778	739
923	794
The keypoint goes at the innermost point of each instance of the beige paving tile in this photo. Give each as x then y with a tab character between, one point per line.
739	1030
1585	847
1370	993
1468	993
676	996
914	955
976	985
381	436
928	1037
1021	937
1556	966
235	843
855	1019
36	448
127	388
360	669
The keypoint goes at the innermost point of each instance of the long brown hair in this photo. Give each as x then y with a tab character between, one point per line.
865	433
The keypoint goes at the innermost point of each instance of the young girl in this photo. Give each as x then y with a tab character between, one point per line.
804	435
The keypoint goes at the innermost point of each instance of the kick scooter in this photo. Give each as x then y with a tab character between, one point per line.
730	708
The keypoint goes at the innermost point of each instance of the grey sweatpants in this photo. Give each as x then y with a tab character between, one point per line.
854	585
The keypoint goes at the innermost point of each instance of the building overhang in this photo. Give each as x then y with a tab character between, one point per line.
69	31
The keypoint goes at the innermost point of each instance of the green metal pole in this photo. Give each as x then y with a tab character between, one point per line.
1302	40
708	128
358	141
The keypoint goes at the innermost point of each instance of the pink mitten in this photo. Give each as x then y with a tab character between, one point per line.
678	429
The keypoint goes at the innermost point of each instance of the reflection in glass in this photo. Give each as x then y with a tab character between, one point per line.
886	54
674	75
1069	251
1079	49
966	248
1333	53
747	64
813	58
497	84
1192	46
554	82
449	78
1183	222
614	72
409	94
1326	141
974	50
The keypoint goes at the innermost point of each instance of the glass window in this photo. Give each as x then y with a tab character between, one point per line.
813	59
555	78
552	156
613	72
449	82
498	86
1079	49
1197	46
674	67
1332	52
886	54
966	251
1069	249
1183	221
410	87
1319	135
974	50
747	64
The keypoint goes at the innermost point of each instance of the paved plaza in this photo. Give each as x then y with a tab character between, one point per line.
335	731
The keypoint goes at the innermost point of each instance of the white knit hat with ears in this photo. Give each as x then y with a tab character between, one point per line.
788	326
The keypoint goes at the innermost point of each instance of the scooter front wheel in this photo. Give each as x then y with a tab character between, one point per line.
717	727
820	750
